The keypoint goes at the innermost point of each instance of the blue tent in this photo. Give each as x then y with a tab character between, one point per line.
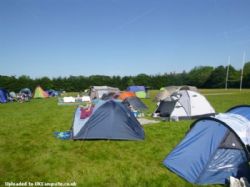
3	95
52	93
109	120
136	88
214	149
243	110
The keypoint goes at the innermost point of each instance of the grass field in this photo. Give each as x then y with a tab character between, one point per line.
29	151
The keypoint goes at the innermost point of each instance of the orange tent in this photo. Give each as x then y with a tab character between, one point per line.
125	95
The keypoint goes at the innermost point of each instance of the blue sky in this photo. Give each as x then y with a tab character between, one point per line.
120	37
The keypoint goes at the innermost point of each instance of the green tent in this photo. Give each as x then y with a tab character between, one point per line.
141	94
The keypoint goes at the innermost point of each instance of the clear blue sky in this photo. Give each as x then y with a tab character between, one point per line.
120	37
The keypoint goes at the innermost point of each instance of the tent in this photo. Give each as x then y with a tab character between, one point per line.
96	92
26	91
184	104
243	110
163	94
141	94
182	87
130	99
140	91
125	95
109	120
3	95
214	149
12	95
52	93
136	103
169	90
110	95
136	88
24	95
39	93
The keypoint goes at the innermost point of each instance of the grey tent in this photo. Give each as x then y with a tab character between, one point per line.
25	92
97	92
182	87
12	95
136	103
109	96
169	90
109	120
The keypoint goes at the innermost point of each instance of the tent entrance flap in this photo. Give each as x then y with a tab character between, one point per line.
166	108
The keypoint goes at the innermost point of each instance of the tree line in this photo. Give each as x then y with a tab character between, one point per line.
201	77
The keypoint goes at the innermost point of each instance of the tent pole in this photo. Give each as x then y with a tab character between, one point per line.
228	62
241	76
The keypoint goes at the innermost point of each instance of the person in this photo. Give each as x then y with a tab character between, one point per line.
135	112
86	111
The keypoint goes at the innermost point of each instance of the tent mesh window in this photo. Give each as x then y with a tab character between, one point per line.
231	141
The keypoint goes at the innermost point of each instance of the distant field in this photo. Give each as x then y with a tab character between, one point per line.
29	151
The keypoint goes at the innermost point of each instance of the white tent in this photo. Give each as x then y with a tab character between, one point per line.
184	104
97	92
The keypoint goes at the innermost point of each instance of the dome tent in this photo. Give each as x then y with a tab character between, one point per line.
52	93
109	120
224	152
97	92
26	91
136	103
169	90
140	91
125	94
130	99
136	88
184	104
3	95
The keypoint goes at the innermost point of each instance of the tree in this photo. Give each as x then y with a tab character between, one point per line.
9	83
142	79
203	76
24	81
233	78
198	76
246	75
217	78
44	82
130	82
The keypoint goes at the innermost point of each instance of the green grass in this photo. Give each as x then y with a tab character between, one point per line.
29	151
